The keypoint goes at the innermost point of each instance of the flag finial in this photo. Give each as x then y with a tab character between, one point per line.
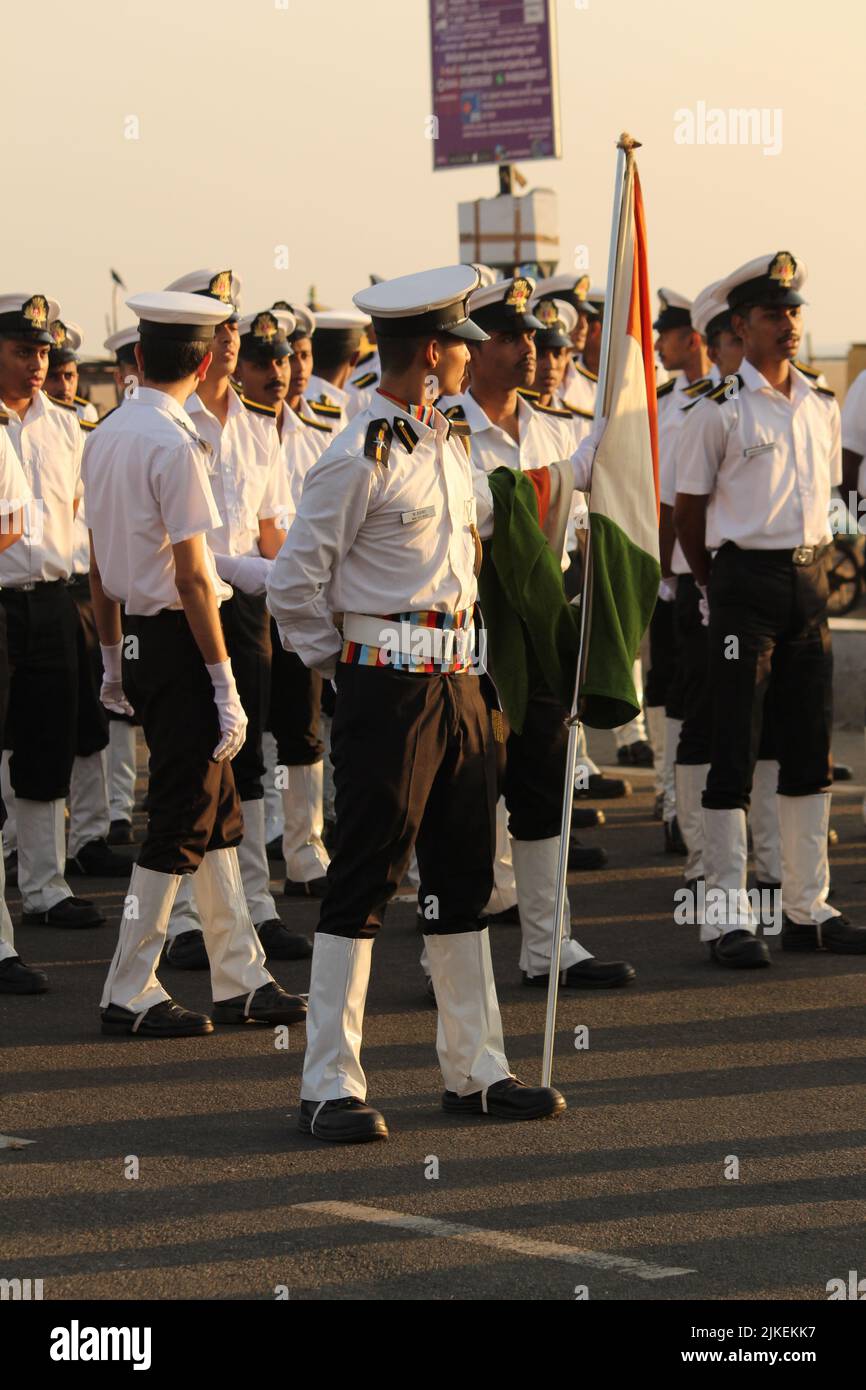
627	142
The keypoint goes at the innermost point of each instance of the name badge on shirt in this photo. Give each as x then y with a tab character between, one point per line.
420	514
759	449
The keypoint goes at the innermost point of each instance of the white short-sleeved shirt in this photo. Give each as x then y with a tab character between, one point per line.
14	488
48	442
148	487
322	392
245	474
302	438
767	462
543	438
376	540
854	425
579	386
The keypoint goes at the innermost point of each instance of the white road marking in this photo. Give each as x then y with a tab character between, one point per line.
8	1141
507	1241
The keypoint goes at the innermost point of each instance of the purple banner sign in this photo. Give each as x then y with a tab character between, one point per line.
494	82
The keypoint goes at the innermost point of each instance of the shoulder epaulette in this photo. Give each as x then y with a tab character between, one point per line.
4	418
333	412
579	410
698	387
314	424
807	371
460	427
825	390
405	433
377	444
721	393
367	379
551	410
82	400
584	371
258	409
528	395
368	357
87	424
455	412
61	404
665	388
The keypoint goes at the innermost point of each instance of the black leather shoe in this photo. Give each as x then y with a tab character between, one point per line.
585	857
315	888
348	1121
586	817
69	912
674	842
269	1004
163	1020
274	849
510	917
281	944
837	934
96	859
740	950
507	1100
637	754
590	974
120	832
601	788
18	978
187	951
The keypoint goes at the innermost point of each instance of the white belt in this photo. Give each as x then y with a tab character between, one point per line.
410	641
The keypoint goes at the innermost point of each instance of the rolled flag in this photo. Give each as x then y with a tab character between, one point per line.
624	571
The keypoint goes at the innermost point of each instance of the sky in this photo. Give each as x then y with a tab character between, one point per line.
264	124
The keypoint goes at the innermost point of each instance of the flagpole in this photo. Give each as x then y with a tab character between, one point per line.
625	154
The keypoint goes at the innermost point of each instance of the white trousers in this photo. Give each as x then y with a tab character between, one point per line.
7	934
121	769
41	853
535	864
89	816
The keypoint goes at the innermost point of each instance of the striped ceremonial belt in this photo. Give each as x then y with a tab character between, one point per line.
423	643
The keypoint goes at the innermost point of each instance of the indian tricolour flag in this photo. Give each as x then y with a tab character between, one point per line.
623	572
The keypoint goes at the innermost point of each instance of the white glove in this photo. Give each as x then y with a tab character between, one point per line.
249	573
668	589
111	691
704	605
233	721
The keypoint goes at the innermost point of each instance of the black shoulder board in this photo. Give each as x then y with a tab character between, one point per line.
258	409
87	424
551	410
405	433
578	410
455	412
825	391
377	445
82	400
698	387
584	371
62	404
807	371
314	424
665	388
367	379
721	392
527	394
4	418
368	357
333	412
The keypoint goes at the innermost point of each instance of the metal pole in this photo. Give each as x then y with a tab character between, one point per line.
561	898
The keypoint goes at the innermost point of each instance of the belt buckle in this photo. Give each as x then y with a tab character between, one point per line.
803	554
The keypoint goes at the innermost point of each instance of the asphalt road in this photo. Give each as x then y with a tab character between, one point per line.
625	1196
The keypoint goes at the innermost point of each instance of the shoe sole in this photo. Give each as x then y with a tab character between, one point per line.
297	1017
304	1128
124	1029
548	1113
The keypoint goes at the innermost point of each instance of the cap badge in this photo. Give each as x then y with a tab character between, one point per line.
518	295
35	311
264	326
546	313
581	287
58	333
783	268
220	286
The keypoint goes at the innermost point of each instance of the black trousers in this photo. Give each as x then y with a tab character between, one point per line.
695	690
244	621
92	714
192	802
534	778
42	720
414	767
296	701
768	640
663	658
4	693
